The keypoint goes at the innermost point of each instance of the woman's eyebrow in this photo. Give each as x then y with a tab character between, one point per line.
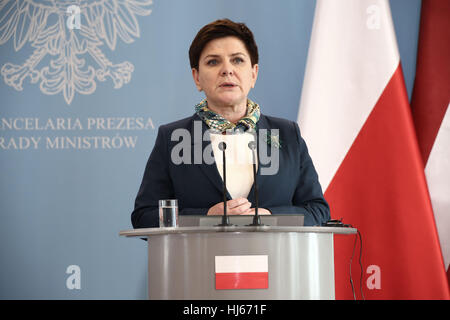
237	54
218	56
211	56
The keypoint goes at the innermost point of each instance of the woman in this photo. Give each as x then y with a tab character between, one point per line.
224	62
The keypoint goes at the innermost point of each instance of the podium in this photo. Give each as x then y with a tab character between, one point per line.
182	261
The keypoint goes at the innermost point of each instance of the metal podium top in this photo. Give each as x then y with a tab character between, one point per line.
145	232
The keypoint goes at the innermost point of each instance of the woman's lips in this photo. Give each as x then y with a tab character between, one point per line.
228	85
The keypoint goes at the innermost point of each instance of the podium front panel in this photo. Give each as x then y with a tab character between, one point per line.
182	265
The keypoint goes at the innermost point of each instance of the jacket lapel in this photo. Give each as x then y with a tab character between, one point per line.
260	179
199	145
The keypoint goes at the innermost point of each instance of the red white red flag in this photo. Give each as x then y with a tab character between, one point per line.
242	272
356	119
429	103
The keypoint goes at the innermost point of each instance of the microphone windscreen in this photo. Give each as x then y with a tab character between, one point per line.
222	146
252	145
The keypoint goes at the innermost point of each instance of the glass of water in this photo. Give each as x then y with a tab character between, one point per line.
168	213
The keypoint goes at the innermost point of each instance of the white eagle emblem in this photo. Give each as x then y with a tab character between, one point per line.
44	24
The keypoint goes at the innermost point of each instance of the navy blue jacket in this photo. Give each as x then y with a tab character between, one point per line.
294	189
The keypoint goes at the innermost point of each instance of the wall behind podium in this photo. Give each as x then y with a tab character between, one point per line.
81	99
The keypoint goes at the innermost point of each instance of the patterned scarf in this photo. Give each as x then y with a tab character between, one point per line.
218	123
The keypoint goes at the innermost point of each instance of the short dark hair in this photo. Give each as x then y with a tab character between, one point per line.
220	29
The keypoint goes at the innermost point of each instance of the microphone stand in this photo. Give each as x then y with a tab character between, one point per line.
256	217
225	218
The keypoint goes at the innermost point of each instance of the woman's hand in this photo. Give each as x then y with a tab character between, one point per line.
234	207
237	206
261	212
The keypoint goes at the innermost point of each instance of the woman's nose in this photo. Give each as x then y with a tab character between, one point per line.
227	69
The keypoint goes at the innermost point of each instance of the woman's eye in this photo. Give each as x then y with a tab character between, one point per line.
212	62
238	60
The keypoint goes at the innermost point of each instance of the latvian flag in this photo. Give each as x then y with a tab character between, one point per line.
356	119
431	112
242	272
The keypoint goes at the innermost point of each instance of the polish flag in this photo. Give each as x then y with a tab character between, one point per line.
242	272
356	119
431	112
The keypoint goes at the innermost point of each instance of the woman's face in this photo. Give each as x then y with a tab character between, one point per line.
225	73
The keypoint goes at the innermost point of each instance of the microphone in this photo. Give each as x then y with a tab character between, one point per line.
256	217
225	218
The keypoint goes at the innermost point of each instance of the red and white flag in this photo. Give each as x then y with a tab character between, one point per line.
242	272
356	120
431	114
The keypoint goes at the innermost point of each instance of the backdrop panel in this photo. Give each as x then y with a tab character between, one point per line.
81	98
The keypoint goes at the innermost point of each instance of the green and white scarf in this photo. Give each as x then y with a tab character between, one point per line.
218	123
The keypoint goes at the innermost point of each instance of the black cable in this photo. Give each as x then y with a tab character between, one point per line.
338	223
360	265
351	261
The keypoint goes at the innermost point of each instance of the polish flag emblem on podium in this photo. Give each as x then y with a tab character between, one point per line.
242	272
